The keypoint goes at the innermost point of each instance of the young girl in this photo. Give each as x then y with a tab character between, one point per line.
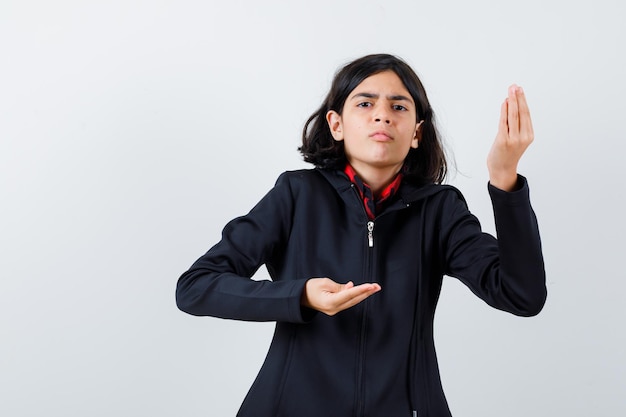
357	248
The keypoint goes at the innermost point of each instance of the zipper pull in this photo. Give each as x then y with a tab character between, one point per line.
370	234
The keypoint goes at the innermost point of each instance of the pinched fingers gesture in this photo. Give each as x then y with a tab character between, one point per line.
330	297
515	134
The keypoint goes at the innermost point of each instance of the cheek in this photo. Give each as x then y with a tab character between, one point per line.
353	126
353	134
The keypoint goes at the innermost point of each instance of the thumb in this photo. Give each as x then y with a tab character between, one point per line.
347	285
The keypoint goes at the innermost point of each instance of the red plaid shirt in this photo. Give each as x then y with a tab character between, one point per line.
373	205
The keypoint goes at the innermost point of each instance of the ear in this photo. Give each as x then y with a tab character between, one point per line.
335	124
417	137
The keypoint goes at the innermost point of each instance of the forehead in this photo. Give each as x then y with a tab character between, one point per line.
385	82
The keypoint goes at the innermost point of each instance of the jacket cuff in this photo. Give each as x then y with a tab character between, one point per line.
519	196
297	311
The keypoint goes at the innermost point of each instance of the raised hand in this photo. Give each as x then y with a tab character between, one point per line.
515	134
330	297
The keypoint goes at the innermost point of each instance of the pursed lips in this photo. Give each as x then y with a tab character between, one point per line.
381	136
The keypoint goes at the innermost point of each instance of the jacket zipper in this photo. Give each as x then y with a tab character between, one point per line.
361	382
361	369
370	223
360	390
370	234
370	244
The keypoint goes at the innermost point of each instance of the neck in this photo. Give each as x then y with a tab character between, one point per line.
377	178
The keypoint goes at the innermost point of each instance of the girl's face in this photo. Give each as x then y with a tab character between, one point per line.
378	123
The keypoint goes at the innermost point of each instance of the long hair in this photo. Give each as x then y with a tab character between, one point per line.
426	164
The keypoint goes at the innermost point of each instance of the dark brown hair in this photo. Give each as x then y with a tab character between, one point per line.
426	164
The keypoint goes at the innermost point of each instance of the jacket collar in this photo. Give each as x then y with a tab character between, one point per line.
408	192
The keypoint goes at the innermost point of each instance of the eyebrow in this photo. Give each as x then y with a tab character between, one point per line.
372	95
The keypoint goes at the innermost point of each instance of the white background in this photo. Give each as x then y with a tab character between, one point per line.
131	132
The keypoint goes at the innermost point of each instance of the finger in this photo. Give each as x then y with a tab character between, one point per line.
503	125
356	291
347	295
513	112
355	295
526	125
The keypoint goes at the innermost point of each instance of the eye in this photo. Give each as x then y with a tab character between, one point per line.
364	104
399	107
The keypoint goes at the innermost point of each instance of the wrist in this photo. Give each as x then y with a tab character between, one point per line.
505	181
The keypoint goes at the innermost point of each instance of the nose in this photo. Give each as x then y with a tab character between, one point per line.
381	115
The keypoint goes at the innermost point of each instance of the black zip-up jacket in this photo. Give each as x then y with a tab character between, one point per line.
376	359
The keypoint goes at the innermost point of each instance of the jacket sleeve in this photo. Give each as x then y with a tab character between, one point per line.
219	284
508	273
